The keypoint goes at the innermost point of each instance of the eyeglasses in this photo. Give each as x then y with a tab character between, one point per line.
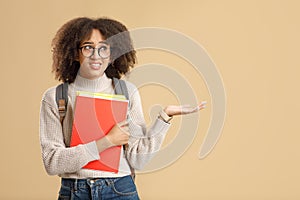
103	51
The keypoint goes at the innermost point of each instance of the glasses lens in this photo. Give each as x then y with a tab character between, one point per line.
87	51
104	51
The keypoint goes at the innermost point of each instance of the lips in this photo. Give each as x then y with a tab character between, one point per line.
95	66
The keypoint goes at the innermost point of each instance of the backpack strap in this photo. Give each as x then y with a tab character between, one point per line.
62	100
120	87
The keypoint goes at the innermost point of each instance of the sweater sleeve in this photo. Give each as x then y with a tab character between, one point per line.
143	144
58	158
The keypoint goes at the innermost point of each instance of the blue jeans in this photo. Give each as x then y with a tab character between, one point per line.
122	188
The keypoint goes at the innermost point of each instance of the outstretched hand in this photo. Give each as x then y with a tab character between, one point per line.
172	110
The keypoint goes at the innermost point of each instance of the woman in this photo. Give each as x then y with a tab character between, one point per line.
87	59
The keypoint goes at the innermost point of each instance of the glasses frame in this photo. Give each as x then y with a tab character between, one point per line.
98	50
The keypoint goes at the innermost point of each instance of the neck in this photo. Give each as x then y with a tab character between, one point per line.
92	85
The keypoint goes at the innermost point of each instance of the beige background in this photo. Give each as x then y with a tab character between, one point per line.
255	45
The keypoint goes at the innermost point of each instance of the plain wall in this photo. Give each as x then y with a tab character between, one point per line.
254	44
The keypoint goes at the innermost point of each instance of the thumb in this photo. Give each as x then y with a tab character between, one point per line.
123	123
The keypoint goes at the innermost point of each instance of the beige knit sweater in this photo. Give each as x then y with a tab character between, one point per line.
67	162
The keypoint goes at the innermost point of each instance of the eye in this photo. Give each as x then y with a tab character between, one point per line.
87	47
103	48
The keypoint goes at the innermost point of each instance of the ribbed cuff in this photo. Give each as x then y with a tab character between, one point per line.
92	150
164	116
159	126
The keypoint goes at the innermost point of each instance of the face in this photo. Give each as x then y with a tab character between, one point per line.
93	67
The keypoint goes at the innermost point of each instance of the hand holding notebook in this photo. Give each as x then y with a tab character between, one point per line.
119	134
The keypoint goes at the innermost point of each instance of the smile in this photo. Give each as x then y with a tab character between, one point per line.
95	65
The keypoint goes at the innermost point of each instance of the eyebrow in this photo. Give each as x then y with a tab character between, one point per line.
101	42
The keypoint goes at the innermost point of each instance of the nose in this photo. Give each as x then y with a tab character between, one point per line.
95	54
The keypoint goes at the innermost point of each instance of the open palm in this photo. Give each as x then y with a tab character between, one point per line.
172	110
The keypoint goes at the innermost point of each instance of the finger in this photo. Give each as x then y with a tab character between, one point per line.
123	123
125	130
125	139
202	105
197	108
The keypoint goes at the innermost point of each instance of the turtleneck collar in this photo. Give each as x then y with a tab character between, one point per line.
96	85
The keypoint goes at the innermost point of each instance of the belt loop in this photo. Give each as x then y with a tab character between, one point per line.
75	185
108	181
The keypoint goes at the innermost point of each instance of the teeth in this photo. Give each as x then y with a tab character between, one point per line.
96	65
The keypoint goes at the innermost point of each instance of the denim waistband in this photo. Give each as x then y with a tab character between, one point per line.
85	183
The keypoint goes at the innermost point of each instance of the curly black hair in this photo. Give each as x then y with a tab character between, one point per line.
68	38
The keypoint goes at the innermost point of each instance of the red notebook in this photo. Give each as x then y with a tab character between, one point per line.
94	116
